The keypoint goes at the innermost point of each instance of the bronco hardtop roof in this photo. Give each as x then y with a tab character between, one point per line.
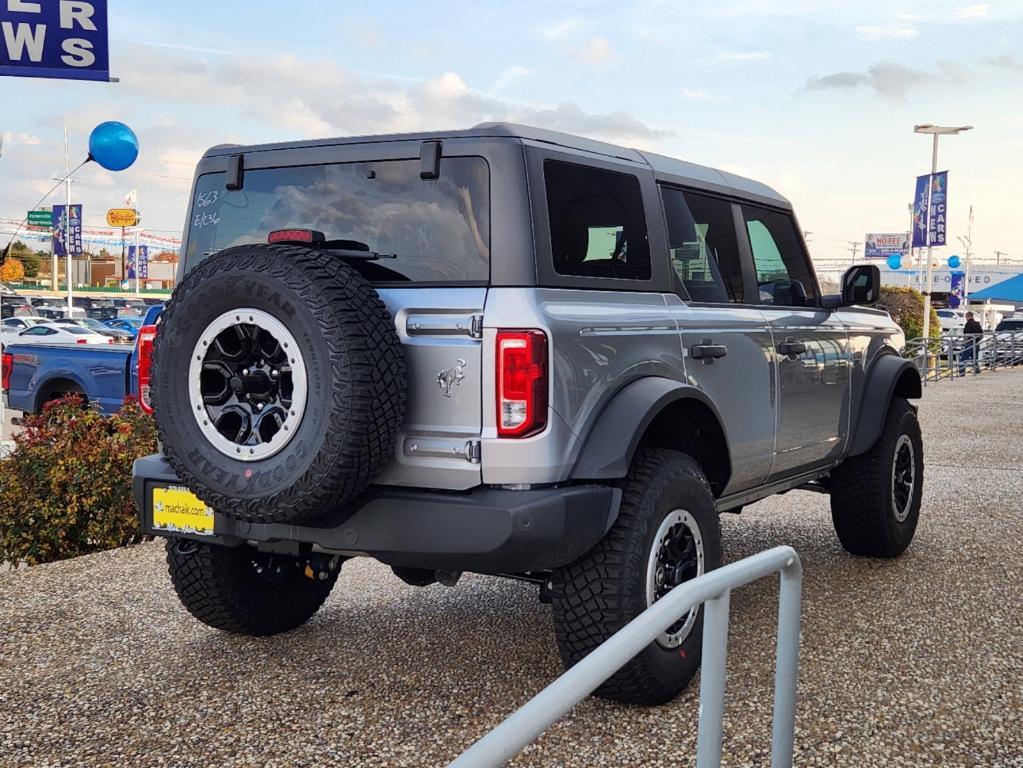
666	168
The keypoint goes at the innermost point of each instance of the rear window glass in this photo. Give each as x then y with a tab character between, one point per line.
436	230
598	228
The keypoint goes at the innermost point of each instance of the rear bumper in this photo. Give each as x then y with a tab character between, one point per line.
486	530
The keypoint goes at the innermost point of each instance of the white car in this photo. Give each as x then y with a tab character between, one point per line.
54	333
19	324
952	320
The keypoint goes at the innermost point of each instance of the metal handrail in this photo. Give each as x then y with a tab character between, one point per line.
948	357
713	589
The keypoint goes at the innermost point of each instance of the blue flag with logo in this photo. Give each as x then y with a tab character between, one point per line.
921	203
930	210
955	288
67	230
937	221
143	262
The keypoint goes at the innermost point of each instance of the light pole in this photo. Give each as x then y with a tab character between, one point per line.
935	131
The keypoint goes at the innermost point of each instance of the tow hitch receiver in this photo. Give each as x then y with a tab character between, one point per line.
319	567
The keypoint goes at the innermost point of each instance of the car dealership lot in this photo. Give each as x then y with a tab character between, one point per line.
914	661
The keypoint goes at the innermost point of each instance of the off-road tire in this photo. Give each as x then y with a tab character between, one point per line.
601	592
862	490
221	587
355	377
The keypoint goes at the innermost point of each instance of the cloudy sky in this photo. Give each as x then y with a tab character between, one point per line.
816	98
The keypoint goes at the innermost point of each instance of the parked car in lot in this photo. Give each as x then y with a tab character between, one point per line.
100	309
130	307
18	324
101	328
951	320
59	332
129	325
54	307
14	305
523	353
103	374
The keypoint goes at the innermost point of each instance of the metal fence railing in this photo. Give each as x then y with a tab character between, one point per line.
713	590
949	357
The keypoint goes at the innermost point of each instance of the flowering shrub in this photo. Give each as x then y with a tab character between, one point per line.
906	306
66	488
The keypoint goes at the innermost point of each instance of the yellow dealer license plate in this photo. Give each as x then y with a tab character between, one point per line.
178	509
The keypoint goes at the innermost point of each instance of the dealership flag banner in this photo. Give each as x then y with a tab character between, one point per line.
881	245
921	203
54	38
955	288
937	223
73	229
143	262
930	210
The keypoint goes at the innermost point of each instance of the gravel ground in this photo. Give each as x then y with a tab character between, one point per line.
911	662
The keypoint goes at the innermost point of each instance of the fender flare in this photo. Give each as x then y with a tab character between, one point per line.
42	385
884	376
615	435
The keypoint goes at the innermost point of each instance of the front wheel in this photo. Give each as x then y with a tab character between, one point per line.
667	532
875	497
241	590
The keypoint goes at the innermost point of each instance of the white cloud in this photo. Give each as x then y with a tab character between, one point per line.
895	31
507	76
695	93
596	51
744	56
975	11
558	30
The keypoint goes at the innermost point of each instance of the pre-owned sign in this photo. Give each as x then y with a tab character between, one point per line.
54	38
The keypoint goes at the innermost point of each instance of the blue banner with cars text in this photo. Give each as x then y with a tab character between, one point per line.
937	223
67	230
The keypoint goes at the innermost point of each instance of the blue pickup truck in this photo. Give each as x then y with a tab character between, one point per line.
104	375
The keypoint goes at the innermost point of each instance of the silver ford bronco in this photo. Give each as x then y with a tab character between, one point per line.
508	351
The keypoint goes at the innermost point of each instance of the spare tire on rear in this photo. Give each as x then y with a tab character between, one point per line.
278	383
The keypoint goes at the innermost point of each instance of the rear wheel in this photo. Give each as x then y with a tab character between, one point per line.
875	497
667	532
242	590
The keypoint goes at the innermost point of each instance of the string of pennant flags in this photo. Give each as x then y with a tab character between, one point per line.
100	237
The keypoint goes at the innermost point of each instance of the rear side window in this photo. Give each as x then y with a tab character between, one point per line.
783	272
425	230
598	228
703	245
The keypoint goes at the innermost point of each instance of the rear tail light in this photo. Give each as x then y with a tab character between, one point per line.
6	366
521	382
147	334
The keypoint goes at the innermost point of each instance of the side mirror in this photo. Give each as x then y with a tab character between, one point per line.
861	284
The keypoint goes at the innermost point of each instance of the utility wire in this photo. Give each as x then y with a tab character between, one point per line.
24	221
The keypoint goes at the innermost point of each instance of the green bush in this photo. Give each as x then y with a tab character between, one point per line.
66	488
906	306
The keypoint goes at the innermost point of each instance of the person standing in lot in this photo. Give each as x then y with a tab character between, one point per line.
972	333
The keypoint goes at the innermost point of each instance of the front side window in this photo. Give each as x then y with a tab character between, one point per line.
703	245
425	230
783	273
598	227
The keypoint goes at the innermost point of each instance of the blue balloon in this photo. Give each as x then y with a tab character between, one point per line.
113	145
954	262
895	261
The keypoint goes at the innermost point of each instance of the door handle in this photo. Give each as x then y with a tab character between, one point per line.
708	351
790	348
